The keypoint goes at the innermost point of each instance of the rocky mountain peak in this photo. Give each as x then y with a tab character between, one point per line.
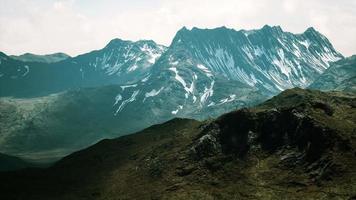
271	29
267	58
114	43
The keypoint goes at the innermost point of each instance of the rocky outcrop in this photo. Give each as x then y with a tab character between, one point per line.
302	134
298	145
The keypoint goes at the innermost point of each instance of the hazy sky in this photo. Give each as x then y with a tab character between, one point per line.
79	26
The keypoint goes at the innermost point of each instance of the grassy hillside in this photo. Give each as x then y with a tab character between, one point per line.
300	144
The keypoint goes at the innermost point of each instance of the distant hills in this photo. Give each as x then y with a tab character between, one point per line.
49	58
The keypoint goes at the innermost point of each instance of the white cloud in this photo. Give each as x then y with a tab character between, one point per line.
78	26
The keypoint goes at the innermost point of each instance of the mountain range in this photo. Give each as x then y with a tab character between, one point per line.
268	59
49	58
128	86
297	145
120	62
211	116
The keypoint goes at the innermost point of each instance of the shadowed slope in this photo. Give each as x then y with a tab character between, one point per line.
298	145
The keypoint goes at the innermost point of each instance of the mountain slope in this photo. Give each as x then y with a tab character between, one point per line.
44	129
49	58
8	163
120	62
214	69
268	58
47	128
203	74
340	76
298	145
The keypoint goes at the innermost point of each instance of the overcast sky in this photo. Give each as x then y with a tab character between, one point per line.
79	26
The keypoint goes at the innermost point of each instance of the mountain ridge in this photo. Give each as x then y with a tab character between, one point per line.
247	153
202	74
47	58
96	68
341	75
232	53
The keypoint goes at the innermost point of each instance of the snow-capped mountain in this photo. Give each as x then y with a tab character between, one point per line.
213	70
341	76
269	58
203	73
201	69
119	62
122	61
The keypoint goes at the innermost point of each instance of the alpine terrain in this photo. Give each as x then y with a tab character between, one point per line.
341	76
120	62
47	109
298	145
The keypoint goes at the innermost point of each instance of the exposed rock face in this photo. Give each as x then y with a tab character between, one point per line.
303	134
202	74
268	58
300	144
340	76
119	62
272	130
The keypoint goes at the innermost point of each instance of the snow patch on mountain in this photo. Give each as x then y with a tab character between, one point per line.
123	87
305	43
227	100
174	112
27	68
211	104
280	63
153	54
146	78
205	69
208	92
117	99
132	68
189	90
131	99
152	93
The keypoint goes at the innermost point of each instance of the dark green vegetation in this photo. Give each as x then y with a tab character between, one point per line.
300	144
50	58
340	76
